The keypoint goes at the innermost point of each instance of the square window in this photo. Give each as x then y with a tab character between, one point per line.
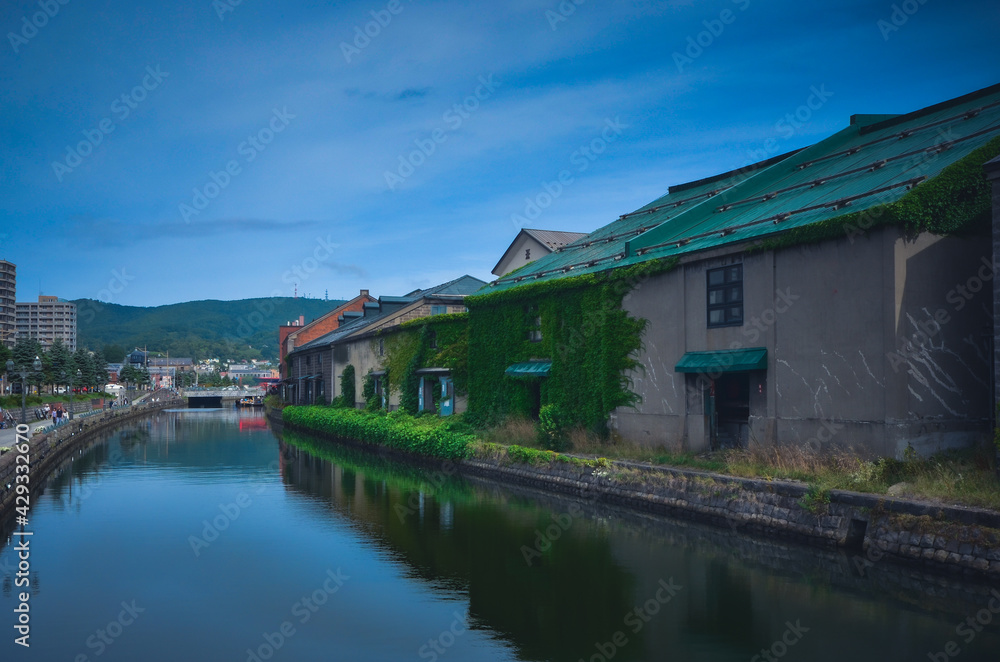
725	296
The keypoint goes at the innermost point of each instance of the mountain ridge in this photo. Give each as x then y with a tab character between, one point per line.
207	328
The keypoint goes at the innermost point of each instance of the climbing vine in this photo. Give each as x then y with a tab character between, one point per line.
372	401
440	341
590	340
347	392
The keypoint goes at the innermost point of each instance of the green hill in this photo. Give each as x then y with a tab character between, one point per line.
243	329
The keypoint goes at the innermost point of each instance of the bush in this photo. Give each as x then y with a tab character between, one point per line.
427	435
552	428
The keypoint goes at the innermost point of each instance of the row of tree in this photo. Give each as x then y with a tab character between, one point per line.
59	365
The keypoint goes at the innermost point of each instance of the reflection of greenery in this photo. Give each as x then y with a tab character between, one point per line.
404	476
473	539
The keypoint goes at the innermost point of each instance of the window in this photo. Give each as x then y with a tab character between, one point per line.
725	296
308	361
381	346
439	310
534	322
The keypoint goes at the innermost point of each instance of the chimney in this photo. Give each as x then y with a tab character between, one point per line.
364	293
302	320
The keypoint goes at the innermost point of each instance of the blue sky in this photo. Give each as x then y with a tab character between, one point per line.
156	152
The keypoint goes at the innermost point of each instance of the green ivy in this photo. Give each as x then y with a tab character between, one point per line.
347	389
956	199
372	401
590	340
409	348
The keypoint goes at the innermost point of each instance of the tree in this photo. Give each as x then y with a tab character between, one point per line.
83	362
113	353
24	353
100	369
58	363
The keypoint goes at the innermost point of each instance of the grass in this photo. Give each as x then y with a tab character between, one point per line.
964	477
956	477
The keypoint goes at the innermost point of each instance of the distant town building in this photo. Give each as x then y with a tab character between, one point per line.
46	320
529	245
162	376
180	364
138	357
8	305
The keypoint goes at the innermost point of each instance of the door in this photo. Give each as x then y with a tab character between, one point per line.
732	410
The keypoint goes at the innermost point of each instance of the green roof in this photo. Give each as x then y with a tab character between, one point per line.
530	369
874	161
733	360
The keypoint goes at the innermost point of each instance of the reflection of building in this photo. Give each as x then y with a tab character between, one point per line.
8	306
46	320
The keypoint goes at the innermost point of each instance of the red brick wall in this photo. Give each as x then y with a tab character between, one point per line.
319	327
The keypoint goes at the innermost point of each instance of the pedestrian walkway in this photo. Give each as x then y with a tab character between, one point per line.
9	434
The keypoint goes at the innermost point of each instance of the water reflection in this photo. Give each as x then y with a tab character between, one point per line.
597	590
440	567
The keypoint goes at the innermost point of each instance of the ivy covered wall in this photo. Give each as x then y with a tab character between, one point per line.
440	341
590	340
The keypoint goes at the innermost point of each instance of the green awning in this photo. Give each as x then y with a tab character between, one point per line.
530	369
734	360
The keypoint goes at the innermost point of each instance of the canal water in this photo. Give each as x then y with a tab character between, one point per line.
202	535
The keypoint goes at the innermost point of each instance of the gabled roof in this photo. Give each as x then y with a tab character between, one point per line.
388	306
554	239
551	239
461	286
874	161
335	312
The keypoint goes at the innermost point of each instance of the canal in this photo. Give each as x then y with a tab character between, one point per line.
201	535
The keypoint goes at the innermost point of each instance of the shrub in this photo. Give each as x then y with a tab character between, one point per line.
347	393
372	401
551	428
427	435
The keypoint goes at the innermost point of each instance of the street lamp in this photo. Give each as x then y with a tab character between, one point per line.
79	375
23	373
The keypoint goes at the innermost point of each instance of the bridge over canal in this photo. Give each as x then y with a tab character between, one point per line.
202	398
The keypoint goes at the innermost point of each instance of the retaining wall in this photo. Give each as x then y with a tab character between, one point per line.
48	450
943	538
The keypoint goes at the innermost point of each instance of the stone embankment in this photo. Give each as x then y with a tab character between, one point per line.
940	537
48	450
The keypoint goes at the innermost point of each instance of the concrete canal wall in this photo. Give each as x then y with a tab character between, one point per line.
942	538
49	450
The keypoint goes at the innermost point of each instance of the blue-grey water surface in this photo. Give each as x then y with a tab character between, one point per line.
199	535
